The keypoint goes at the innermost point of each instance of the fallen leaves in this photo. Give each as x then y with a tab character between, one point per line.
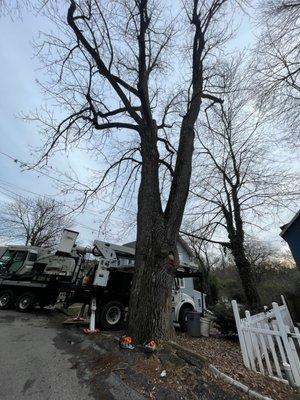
226	356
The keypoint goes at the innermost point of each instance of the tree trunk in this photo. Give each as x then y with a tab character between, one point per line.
150	300
150	306
157	231
237	237
247	276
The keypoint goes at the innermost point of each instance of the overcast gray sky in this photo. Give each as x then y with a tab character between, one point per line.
20	93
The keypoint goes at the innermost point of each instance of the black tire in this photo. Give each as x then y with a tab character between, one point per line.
25	302
7	297
111	316
183	317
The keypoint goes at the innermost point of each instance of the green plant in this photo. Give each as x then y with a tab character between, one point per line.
208	284
214	285
224	318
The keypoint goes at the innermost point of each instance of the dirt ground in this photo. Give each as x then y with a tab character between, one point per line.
184	379
226	356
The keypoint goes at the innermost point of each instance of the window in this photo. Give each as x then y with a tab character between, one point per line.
179	283
32	257
18	261
6	258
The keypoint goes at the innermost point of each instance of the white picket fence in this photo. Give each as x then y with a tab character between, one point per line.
270	343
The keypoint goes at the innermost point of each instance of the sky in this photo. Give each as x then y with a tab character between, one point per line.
20	94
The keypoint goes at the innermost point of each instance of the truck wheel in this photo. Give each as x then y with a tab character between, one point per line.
6	299
25	302
112	316
183	317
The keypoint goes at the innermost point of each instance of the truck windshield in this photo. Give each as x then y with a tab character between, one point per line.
6	258
12	260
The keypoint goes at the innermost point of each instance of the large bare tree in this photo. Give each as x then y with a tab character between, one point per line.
33	221
136	72
277	64
239	183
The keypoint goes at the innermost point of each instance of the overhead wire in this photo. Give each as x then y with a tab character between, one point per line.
13	196
86	210
22	163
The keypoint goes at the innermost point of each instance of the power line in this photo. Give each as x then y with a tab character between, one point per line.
7	195
22	163
44	195
25	190
49	196
17	161
13	195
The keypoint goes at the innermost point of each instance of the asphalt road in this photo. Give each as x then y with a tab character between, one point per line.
40	359
32	363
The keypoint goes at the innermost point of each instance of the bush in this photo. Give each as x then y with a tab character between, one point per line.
284	281
213	289
224	318
274	281
208	284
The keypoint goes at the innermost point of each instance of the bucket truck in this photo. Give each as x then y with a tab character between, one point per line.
107	284
32	276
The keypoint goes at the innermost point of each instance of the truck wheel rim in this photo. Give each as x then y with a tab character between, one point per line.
113	315
23	304
4	300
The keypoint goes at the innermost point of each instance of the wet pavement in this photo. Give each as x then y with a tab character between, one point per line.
32	367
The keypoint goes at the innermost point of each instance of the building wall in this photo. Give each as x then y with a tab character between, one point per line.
182	253
184	256
292	237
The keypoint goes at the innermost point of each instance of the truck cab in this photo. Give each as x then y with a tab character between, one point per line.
17	260
31	275
185	298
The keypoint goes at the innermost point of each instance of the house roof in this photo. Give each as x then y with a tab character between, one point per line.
180	240
186	246
285	227
130	244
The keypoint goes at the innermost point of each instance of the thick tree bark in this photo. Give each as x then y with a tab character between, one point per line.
152	283
246	275
151	291
157	234
237	239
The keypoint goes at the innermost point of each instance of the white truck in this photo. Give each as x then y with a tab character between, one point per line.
30	276
109	282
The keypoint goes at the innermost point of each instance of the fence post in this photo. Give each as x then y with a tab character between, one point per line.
240	333
286	343
288	312
263	342
255	343
274	355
